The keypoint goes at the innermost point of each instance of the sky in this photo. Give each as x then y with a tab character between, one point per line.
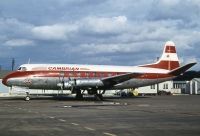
108	32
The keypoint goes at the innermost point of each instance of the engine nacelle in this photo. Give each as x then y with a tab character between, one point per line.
89	83
83	83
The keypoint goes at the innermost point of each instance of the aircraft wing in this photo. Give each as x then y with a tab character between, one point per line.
110	81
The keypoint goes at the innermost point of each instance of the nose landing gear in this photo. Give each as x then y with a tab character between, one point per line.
27	97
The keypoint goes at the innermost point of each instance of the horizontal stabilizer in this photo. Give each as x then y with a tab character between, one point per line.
180	70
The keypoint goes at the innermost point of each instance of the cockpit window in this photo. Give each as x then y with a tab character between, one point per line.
21	69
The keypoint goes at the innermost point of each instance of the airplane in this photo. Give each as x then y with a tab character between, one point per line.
96	79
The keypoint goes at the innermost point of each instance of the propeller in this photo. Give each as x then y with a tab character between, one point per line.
72	83
61	80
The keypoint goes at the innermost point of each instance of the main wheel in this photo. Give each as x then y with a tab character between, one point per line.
79	95
99	97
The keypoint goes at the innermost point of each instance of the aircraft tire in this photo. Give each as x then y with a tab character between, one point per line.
99	97
27	98
79	96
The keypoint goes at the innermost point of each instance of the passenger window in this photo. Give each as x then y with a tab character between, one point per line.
87	74
78	74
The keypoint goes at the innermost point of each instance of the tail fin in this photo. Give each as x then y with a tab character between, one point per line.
169	59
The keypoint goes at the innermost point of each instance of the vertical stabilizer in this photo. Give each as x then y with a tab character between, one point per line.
169	59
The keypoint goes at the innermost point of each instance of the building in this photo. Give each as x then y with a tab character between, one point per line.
173	87
194	86
188	83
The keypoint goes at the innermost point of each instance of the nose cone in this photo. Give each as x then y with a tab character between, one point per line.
15	78
5	80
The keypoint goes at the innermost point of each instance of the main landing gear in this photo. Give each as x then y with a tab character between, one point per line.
97	94
79	95
98	97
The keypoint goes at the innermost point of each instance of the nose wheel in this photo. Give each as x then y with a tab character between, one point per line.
27	98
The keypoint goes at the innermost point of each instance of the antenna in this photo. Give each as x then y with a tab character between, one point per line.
29	60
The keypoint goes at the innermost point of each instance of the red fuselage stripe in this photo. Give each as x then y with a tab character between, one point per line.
79	74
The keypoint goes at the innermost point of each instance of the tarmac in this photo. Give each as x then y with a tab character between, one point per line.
137	116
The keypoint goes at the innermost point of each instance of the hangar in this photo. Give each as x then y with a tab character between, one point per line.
174	87
194	86
186	84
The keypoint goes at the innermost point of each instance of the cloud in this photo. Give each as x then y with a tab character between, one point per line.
104	25
53	32
123	48
187	10
98	32
91	24
14	28
170	2
19	42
